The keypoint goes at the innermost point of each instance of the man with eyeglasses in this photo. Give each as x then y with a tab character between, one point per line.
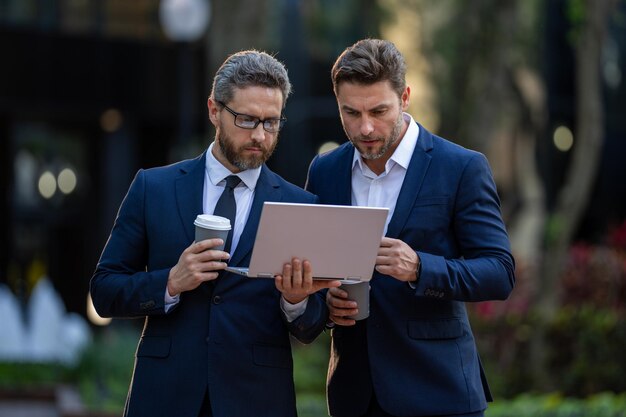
213	343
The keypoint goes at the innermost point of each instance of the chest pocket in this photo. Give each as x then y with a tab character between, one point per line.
429	218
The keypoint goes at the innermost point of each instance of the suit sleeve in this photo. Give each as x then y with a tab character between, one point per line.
485	268
313	321
121	286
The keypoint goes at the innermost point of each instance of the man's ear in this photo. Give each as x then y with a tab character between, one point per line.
213	108
405	98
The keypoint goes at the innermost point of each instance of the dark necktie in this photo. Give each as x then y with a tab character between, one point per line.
226	206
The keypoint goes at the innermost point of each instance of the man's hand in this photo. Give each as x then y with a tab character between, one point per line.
197	264
296	282
340	307
397	259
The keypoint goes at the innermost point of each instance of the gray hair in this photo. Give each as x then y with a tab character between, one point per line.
249	68
369	61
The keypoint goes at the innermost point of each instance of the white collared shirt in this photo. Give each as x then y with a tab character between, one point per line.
369	189
214	181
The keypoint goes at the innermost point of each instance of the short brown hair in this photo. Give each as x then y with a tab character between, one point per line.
369	61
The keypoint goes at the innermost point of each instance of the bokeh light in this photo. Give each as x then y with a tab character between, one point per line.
67	180
563	138
327	146
47	185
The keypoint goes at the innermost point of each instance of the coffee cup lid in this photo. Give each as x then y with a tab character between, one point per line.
210	221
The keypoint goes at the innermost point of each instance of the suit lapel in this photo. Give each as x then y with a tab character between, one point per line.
343	181
413	180
267	189
189	189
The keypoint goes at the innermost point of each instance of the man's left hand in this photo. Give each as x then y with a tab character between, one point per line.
397	259
296	282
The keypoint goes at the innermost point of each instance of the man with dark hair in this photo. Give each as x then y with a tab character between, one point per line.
445	244
213	343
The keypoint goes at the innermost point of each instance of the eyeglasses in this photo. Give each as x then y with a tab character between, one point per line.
246	121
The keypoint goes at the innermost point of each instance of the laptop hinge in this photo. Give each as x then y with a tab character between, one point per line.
265	275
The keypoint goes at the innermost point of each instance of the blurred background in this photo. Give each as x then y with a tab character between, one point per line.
93	90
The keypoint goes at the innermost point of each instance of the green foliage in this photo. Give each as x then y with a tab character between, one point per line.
310	366
585	340
587	349
576	12
555	405
104	372
24	375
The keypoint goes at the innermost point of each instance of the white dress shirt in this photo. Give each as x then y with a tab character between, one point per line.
369	189
214	182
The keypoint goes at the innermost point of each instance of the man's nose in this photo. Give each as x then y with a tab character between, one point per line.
367	126
258	133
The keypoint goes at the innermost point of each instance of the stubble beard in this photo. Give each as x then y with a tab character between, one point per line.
387	142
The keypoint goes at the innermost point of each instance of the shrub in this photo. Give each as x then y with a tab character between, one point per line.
585	340
555	405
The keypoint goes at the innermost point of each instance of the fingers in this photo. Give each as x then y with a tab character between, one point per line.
396	259
204	245
387	242
340	307
297	276
341	321
320	284
296	281
203	251
197	264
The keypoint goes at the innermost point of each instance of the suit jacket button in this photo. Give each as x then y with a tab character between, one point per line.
217	300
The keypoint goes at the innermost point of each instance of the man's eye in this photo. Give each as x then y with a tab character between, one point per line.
247	119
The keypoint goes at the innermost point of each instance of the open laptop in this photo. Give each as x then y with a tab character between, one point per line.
341	242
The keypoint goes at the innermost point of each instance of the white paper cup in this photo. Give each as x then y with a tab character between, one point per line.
360	292
209	226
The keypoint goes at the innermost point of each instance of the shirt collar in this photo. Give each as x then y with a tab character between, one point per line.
218	172
403	153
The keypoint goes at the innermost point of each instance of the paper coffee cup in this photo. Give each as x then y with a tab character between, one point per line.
209	226
360	292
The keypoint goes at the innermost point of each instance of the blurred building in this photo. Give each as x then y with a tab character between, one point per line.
87	95
92	90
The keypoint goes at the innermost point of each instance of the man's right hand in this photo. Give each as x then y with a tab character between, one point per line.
197	264
340	307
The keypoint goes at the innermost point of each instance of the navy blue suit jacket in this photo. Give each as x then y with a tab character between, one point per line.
416	350
230	337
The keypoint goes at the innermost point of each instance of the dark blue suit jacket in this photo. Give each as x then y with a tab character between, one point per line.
416	350
229	337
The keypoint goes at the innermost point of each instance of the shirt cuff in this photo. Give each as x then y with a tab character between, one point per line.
293	311
413	284
170	301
